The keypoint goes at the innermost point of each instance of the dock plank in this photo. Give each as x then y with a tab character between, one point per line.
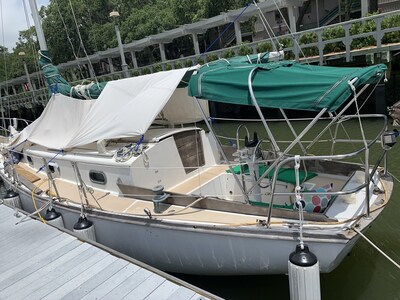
39	251
146	287
31	281
42	262
181	293
36	262
70	270
128	285
92	284
164	291
112	283
83	276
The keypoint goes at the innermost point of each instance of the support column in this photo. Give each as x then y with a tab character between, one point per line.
320	48
110	64
134	59
162	51
238	33
292	18
74	78
364	8
91	72
195	39
347	41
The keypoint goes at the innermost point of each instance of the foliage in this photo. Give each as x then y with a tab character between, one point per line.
147	20
68	27
362	27
212	57
308	38
211	8
390	22
188	63
185	11
157	68
146	71
286	42
178	65
200	61
333	33
245	50
135	73
264	47
228	54
141	18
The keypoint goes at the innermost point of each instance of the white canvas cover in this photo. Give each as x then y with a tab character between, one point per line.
125	108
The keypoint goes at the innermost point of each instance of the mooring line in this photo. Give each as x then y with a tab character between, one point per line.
377	248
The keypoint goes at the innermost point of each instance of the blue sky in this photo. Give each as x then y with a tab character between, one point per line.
12	20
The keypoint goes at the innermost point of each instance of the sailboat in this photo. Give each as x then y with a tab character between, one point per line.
128	168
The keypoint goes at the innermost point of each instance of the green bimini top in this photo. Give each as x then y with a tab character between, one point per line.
283	84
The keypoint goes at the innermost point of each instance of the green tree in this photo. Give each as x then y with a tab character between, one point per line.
185	11
149	19
213	8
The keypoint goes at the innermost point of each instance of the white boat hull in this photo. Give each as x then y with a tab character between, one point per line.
190	249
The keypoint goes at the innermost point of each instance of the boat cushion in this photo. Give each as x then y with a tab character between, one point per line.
284	175
316	203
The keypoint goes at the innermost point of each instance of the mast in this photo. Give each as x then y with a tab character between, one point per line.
38	24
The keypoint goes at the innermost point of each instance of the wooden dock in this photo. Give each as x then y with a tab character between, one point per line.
38	261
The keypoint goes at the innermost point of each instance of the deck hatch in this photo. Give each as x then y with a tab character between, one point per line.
190	149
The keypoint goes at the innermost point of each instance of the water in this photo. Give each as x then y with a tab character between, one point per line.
364	274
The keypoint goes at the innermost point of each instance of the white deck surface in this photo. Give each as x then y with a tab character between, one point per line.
41	262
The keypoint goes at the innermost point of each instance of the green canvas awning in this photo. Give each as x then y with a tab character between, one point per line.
283	84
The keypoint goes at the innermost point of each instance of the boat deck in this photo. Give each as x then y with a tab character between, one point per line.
69	192
100	199
42	262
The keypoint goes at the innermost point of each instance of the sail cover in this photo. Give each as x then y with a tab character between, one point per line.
284	84
125	108
58	84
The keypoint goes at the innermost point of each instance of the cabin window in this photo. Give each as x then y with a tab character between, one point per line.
97	177
30	160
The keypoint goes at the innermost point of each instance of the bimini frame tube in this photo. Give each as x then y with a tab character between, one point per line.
246	197
337	117
254	100
292	129
292	144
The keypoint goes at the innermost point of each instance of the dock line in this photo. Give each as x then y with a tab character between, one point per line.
376	247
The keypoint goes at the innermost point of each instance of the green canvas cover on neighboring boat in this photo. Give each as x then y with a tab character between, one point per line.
283	84
58	84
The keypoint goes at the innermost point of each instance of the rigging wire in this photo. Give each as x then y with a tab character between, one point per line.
291	34
68	37
8	112
81	41
267	27
226	29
